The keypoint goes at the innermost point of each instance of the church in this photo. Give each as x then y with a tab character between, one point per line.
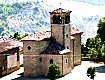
61	45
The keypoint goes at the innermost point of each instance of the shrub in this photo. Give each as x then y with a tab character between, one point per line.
103	57
91	72
53	72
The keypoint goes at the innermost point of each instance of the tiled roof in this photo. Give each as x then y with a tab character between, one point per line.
60	10
72	37
38	36
52	49
8	44
75	31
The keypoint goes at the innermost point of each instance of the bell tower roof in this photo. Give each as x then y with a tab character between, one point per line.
60	10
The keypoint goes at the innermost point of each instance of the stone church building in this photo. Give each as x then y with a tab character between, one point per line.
61	45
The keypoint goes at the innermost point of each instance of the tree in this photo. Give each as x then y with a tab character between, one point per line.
84	50
101	29
94	47
18	36
53	72
91	72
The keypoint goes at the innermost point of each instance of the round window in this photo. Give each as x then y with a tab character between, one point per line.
29	47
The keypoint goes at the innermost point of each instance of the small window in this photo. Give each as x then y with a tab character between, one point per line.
67	35
57	19
40	59
63	26
67	47
28	47
51	61
67	19
5	57
18	57
66	61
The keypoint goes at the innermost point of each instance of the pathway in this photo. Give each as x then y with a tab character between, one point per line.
78	73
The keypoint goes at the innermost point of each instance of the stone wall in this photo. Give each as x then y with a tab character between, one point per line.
60	60
67	63
77	49
57	59
32	57
9	63
57	32
72	53
21	59
67	36
1	61
36	64
40	67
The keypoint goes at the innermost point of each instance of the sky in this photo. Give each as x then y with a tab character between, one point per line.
80	7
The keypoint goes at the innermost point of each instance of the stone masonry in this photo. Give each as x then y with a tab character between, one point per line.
61	45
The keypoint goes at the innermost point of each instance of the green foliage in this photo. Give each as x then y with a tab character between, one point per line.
84	50
101	33
13	14
91	72
53	72
103	57
5	11
101	29
103	48
94	46
26	34
2	26
94	43
17	36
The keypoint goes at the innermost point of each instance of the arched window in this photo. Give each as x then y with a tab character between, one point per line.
67	19
57	19
66	60
51	61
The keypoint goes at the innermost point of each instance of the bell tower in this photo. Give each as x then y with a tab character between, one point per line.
60	26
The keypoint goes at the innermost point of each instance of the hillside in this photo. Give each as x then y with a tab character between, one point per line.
33	16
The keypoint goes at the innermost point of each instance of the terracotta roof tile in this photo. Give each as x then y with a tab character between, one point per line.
8	44
75	31
52	49
38	36
60	10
